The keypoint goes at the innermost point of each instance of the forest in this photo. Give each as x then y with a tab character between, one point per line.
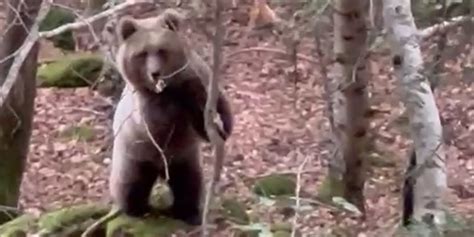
239	118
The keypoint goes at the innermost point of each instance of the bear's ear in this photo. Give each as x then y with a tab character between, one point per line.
172	19
126	27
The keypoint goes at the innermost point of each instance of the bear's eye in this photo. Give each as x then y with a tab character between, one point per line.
170	25
142	55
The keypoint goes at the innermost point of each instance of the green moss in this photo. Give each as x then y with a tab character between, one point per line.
71	71
235	211
82	133
56	221
281	226
150	226
248	233
57	17
18	227
275	185
281	233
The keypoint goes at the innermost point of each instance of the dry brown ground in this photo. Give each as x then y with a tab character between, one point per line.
277	126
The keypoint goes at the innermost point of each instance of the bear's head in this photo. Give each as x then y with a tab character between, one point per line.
151	50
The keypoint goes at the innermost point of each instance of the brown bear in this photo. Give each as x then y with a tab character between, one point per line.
152	51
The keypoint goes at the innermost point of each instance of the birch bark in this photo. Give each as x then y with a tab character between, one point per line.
429	174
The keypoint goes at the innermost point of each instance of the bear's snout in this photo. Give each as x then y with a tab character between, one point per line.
155	75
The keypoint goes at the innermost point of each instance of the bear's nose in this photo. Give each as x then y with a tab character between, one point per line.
156	75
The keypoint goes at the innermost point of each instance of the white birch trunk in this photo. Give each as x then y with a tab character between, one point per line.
429	174
349	99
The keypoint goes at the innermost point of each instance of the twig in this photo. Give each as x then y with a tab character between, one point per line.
18	121
371	14
113	213
28	44
9	212
437	66
297	192
87	110
270	50
91	30
8	208
445	25
18	15
162	154
288	172
90	20
210	114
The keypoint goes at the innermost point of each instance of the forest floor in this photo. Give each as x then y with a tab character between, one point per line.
279	123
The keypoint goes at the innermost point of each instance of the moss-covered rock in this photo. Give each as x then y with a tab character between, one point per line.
65	218
248	233
275	185
72	71
57	17
150	226
235	211
281	226
281	233
18	227
73	221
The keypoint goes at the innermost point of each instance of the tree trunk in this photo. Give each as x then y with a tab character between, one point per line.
349	101
428	177
16	116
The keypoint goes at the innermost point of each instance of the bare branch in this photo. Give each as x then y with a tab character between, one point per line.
444	26
160	150
297	193
113	213
8	211
18	16
30	41
210	114
89	20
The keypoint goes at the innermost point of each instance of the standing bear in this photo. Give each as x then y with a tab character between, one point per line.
153	54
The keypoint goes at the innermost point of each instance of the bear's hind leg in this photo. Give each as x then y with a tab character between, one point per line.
132	185
186	185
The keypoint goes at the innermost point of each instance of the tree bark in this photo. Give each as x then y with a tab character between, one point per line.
16	116
428	177
349	101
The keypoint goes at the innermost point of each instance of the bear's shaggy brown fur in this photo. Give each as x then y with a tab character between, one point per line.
151	50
